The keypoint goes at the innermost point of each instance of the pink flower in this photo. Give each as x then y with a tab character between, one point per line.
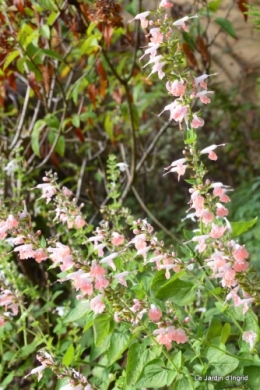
2	321
40	255
181	22
152	50
200	80
240	266
176	88
209	150
250	337
11	222
37	370
217	231
118	239
121	277
97	305
101	282
177	111
66	191
165	4
221	210
197	122
154	313
25	251
178	167
109	260
240	253
157	67
79	222
228	278
96	270
177	335
207	216
203	96
142	17
137	306
47	191
157	36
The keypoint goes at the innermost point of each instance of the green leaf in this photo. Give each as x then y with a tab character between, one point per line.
101	328
47	5
118	344
51	54
45	31
51	18
253	374
109	126
180	291
39	125
241	227
221	364
69	356
153	375
7	380
52	121
10	58
226	26
90	44
137	357
183	384
214	5
215	329
159	279
75	120
29	348
82	307
225	333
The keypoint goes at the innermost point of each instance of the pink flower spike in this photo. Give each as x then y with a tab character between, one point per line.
181	22
197	122
142	17
250	337
165	4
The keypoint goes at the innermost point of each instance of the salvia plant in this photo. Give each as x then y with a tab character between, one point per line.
144	315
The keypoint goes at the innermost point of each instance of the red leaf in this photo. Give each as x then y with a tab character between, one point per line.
79	134
33	84
242	5
190	56
202	48
19	5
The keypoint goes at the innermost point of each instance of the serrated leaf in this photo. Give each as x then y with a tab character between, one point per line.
226	26
183	384
138	356
159	279
153	375
69	356
179	291
77	312
220	362
241	227
118	344
101	328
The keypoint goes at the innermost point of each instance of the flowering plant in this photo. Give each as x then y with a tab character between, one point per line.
179	318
